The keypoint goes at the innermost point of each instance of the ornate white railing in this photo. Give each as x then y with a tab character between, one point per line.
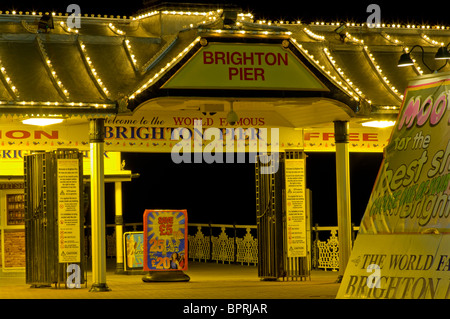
325	250
225	246
326	253
199	245
239	244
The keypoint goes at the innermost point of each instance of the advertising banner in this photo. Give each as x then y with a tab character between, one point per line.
151	131
401	251
165	240
411	193
156	132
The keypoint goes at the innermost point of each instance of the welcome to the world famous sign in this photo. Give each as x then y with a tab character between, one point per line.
403	248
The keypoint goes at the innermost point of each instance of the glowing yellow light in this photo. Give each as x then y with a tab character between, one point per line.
42	121
379	124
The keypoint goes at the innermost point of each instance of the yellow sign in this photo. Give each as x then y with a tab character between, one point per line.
150	131
411	193
69	243
401	251
244	66
295	207
408	266
11	162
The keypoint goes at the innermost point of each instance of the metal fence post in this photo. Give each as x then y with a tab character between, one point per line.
234	244
210	242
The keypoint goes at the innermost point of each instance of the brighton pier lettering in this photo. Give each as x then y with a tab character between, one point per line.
12	154
235	58
245	58
165	133
136	132
397	287
214	151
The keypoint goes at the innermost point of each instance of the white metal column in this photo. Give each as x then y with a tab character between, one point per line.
343	194
119	228
96	139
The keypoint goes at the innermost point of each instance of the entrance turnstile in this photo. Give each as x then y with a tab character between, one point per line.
274	232
54	237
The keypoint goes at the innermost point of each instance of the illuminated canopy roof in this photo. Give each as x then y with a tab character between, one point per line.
114	64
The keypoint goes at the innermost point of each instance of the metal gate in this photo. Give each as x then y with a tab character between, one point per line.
297	267
41	220
269	219
273	260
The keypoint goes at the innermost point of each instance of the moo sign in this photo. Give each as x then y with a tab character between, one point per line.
244	66
405	231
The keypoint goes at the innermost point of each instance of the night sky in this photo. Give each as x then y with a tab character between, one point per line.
225	193
326	10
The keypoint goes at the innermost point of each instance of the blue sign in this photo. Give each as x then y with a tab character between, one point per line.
134	250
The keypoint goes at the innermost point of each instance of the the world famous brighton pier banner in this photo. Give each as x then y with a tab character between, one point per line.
402	250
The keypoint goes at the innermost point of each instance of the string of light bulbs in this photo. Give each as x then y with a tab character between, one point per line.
163	70
11	88
51	70
380	74
345	78
324	71
92	71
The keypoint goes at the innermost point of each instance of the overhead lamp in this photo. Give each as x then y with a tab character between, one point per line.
379	124
45	23
405	60
341	30
232	116
443	53
230	17
42	121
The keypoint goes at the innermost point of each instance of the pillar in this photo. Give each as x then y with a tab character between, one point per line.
96	140
343	194
119	229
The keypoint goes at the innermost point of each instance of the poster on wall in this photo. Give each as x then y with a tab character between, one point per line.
295	207
401	250
165	240
68	201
